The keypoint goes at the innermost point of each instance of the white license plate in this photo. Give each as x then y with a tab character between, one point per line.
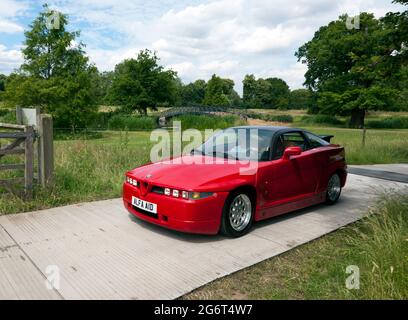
144	205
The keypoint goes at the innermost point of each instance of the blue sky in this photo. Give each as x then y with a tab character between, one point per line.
196	38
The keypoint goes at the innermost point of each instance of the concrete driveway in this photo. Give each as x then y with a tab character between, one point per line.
98	251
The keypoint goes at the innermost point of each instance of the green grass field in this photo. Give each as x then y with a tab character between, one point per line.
93	168
378	245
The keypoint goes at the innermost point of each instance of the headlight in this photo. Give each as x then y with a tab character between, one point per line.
200	195
131	181
186	194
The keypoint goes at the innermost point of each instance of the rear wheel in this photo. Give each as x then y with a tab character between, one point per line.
237	215
333	189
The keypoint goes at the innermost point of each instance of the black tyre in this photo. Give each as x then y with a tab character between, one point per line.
237	214
333	189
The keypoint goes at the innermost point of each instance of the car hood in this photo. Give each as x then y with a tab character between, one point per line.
197	173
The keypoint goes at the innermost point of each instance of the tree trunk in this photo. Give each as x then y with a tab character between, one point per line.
357	118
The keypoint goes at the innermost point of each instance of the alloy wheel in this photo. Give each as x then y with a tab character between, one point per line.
240	212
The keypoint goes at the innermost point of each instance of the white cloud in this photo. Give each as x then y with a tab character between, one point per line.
292	74
200	37
269	40
9	59
10	27
11	8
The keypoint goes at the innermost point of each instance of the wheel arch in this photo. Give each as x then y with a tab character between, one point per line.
249	190
342	174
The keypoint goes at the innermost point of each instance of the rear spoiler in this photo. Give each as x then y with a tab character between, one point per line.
326	137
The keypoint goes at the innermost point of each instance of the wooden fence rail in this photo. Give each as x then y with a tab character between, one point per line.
23	144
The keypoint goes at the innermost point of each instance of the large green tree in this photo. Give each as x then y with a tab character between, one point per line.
402	98
56	74
104	81
220	92
350	68
3	79
301	99
141	83
271	93
193	93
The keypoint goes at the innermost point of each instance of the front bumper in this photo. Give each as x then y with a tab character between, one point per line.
192	216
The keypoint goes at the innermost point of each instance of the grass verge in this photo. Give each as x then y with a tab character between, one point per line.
378	245
92	167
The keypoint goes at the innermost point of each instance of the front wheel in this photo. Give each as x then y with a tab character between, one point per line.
333	189
237	215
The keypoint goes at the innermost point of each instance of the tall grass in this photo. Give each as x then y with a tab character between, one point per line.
85	171
388	123
321	119
377	245
93	168
131	123
382	146
7	116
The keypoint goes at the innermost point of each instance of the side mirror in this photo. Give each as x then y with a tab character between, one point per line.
291	151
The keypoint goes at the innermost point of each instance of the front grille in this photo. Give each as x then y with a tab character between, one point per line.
158	190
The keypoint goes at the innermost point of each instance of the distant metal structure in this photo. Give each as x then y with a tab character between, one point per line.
198	109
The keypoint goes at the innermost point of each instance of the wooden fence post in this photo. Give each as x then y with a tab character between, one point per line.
19	115
46	149
29	162
38	140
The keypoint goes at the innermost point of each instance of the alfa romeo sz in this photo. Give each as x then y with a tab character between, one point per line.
228	183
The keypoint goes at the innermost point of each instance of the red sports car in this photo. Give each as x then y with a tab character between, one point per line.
225	186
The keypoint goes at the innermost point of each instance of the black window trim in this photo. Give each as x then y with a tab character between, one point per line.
308	140
282	132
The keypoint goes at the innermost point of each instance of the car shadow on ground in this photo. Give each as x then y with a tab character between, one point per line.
198	238
287	216
176	235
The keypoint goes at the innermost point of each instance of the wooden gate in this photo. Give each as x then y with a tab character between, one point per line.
21	142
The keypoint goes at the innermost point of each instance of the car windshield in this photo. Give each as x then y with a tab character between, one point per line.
239	144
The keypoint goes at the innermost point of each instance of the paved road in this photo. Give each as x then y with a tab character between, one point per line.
102	252
392	172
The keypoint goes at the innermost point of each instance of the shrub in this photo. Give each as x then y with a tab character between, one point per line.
7	116
321	119
281	118
3	112
131	123
202	122
271	117
388	123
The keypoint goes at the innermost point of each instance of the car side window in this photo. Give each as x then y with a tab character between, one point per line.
290	139
315	141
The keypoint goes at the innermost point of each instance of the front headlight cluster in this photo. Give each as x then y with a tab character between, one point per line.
132	181
186	194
